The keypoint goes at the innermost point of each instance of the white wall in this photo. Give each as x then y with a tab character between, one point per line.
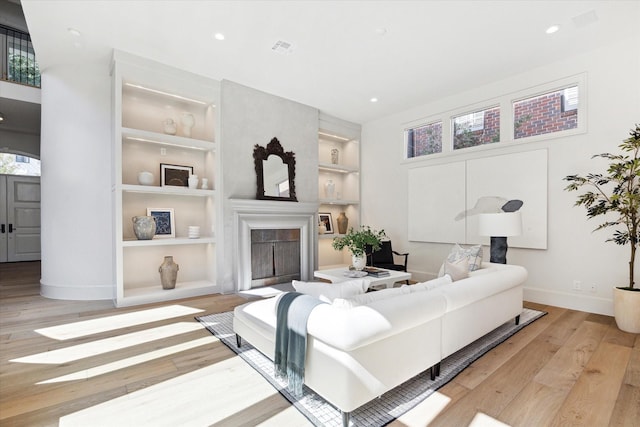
77	225
574	252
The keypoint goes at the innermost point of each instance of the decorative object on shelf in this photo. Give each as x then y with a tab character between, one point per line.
169	127
165	227
193	181
322	229
194	232
343	223
357	241
499	226
188	121
205	184
144	227
329	188
325	218
145	178
168	272
267	188
617	199
175	175
335	156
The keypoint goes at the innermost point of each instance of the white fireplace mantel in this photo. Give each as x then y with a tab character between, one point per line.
249	214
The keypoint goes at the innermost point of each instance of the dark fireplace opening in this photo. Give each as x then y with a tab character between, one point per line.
275	256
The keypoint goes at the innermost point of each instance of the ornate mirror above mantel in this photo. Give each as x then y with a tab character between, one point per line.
275	172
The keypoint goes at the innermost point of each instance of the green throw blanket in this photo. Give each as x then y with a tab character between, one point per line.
292	313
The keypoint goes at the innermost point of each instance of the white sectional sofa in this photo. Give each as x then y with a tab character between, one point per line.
361	347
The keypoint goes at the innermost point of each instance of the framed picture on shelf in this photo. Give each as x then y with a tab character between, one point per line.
175	175
165	223
325	218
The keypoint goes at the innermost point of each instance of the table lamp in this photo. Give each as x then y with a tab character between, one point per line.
499	226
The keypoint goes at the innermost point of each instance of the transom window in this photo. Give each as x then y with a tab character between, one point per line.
550	112
477	128
424	139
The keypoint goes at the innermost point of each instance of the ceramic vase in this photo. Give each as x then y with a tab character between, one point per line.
144	227
145	178
358	261
322	228
188	121
335	156
205	184
343	223
329	188
169	127
193	181
168	273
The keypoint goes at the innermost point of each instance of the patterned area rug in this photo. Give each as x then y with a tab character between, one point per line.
390	405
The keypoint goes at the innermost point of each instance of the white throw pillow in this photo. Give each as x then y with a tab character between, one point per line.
472	253
327	292
458	269
369	297
431	284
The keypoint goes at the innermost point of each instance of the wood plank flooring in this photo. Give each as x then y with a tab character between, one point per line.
569	368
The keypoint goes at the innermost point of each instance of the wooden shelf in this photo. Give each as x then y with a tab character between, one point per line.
167	190
168	242
138	135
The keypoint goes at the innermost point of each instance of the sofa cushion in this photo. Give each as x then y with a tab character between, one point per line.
458	269
327	292
364	299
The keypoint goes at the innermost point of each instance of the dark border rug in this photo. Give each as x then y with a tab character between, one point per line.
387	407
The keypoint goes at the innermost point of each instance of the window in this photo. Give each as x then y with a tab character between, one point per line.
476	128
547	113
13	164
423	140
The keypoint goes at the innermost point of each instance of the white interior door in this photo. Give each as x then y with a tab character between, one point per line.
23	218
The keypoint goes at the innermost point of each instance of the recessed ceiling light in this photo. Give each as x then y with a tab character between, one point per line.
218	36
381	31
74	32
552	29
374	99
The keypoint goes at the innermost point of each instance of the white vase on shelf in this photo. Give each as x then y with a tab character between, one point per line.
169	127
188	121
329	188
205	184
193	181
335	156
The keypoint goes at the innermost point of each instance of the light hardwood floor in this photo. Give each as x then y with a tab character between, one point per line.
567	368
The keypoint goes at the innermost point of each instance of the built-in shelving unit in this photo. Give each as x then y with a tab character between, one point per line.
344	172
145	95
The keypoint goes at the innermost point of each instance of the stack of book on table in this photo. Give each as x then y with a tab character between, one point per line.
376	272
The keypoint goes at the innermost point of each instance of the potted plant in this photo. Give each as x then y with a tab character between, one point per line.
357	241
616	196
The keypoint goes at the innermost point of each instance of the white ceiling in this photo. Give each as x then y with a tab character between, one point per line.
431	49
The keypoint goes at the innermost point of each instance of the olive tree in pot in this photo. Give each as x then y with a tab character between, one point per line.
615	195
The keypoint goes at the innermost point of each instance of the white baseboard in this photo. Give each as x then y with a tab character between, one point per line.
77	293
590	304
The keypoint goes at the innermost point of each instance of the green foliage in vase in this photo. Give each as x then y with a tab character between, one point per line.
615	195
357	240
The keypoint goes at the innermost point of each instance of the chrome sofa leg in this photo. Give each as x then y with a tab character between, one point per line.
238	341
346	416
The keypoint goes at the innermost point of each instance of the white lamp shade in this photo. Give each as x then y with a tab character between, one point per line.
500	224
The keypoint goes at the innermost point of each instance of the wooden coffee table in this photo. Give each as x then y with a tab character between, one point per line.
337	275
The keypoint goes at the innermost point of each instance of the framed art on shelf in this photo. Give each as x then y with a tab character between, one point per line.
175	175
165	223
325	218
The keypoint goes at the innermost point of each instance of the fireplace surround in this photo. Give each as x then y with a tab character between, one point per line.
251	214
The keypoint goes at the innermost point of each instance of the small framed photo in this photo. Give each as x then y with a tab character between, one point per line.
165	223
325	218
175	175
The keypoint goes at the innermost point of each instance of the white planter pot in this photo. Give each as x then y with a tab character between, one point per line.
626	309
358	262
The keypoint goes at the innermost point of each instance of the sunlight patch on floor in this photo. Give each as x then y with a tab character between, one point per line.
484	420
131	361
198	398
110	323
426	411
106	345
